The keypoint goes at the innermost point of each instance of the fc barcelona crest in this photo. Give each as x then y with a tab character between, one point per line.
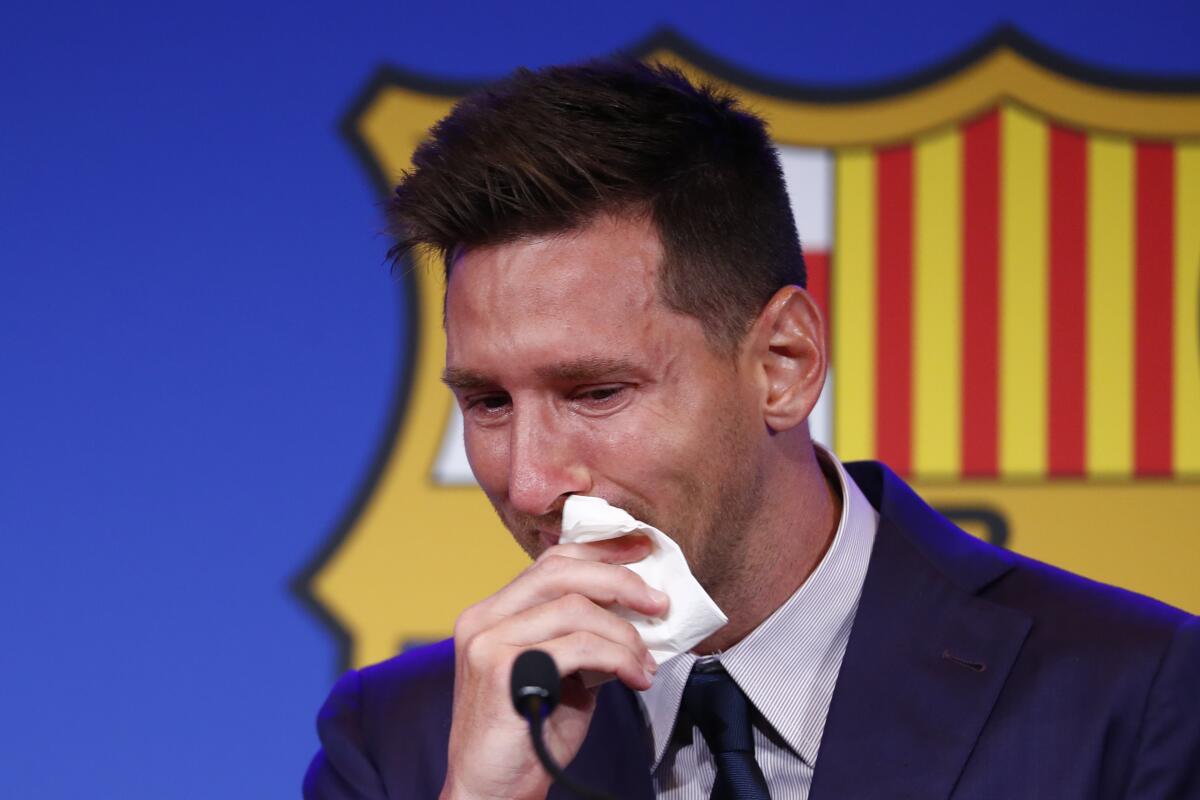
1007	248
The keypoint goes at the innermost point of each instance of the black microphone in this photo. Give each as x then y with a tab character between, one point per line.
535	689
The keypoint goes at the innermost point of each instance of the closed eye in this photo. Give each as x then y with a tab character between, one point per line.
603	394
487	405
601	398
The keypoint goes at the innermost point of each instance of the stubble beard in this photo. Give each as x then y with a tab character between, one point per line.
524	528
720	550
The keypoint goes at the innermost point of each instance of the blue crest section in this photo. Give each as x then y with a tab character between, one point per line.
200	342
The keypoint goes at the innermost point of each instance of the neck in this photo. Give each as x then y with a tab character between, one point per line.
783	543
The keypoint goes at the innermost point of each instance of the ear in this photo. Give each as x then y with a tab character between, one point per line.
789	354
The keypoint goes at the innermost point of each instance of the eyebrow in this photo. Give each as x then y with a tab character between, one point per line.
591	368
465	379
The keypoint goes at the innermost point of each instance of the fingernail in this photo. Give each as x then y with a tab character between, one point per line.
649	677
649	662
657	596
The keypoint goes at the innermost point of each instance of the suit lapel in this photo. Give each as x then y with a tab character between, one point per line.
615	756
926	658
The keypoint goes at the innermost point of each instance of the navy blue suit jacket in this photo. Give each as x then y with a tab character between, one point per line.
971	672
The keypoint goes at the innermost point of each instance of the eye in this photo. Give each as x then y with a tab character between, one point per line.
603	394
487	406
601	398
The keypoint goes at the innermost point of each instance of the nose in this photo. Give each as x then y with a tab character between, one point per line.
544	462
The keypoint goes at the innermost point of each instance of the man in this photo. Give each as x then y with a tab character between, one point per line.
625	318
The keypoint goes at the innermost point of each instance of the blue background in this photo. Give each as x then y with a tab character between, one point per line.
199	339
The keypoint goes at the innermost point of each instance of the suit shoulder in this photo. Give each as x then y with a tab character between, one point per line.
384	728
408	704
1078	608
1049	595
417	680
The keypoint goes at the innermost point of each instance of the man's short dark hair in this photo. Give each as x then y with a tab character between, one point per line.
547	151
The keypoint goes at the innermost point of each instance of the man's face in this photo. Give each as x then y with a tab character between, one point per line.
574	378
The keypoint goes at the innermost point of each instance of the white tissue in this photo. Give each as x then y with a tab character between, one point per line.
692	616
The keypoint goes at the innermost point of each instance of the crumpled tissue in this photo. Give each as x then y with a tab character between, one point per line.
692	615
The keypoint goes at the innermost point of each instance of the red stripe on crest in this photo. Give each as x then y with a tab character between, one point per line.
817	262
893	303
1153	308
1068	302
981	293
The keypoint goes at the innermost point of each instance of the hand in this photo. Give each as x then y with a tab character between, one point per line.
560	605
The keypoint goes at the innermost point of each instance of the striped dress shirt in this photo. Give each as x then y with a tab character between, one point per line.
787	667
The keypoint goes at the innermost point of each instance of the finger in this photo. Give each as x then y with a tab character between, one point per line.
584	650
622	550
568	614
557	575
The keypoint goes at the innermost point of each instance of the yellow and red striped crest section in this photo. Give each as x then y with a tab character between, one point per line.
1018	298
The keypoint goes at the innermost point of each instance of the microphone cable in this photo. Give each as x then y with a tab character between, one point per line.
535	692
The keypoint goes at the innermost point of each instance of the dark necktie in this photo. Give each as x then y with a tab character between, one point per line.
717	706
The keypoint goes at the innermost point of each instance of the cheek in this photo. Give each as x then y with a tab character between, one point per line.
695	446
487	453
646	453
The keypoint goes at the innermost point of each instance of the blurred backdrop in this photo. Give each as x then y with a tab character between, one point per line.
224	475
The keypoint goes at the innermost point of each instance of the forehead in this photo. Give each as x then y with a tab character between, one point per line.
590	291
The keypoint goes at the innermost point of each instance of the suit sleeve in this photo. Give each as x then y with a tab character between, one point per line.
343	768
1167	763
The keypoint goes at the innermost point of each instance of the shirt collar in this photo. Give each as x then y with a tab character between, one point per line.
788	665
